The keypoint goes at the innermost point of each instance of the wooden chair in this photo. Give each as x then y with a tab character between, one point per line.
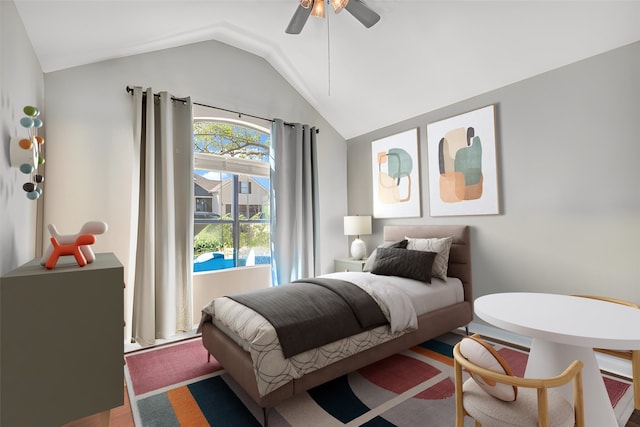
533	405
631	355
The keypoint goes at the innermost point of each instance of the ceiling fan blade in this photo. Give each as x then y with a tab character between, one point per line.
298	20
362	13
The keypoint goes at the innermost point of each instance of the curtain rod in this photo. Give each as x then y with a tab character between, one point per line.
173	98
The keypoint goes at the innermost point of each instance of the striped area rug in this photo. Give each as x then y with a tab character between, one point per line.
176	386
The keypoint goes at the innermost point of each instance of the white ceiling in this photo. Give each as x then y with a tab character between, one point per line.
421	56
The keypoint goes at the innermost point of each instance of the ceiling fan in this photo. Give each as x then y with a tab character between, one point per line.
357	8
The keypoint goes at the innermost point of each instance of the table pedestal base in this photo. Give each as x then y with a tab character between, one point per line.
548	359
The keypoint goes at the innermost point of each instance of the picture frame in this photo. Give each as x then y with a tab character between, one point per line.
395	175
463	176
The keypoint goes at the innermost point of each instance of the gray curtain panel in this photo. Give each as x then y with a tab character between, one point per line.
162	217
293	201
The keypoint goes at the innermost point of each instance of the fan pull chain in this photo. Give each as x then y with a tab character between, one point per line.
328	55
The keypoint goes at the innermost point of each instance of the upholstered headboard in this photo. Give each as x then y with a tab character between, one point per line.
459	256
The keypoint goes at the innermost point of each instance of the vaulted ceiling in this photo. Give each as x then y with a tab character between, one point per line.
420	56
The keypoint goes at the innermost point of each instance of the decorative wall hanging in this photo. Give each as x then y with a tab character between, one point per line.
396	180
25	152
462	164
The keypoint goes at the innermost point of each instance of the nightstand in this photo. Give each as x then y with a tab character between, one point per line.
349	264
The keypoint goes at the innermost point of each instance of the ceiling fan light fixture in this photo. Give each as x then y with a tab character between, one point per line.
318	8
357	8
338	5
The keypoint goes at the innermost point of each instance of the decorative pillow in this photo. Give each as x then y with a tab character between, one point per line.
404	263
481	353
441	246
401	244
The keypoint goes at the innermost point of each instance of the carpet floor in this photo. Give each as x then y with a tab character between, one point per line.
176	386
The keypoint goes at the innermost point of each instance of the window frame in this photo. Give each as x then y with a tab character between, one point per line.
235	167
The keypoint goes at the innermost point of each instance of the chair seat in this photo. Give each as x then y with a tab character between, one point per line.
523	412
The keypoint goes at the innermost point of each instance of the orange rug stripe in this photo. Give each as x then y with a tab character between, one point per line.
186	408
433	355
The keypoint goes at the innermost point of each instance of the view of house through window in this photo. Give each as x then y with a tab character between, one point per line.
231	194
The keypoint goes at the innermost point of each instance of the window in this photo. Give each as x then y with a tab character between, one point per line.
231	194
245	187
204	205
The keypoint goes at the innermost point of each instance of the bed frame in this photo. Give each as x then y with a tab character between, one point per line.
238	362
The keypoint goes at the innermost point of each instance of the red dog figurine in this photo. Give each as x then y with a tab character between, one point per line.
72	249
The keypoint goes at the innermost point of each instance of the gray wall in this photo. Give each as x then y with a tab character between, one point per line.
568	148
21	83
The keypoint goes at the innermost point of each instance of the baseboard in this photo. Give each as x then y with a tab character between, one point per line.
130	347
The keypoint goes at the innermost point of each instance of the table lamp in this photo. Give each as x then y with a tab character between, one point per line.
357	226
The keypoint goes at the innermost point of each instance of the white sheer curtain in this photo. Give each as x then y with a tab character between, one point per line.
162	215
293	201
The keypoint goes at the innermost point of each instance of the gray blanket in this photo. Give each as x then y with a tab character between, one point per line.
310	313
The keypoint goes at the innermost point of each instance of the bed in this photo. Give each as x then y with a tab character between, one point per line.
238	359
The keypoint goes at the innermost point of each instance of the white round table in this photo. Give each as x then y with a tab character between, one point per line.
565	328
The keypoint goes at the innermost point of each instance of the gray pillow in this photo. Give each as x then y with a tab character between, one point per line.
441	247
402	244
404	263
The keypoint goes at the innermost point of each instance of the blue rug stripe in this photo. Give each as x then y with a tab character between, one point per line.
219	404
157	411
337	399
439	347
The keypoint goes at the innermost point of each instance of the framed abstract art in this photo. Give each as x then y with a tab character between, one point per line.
462	164
396	179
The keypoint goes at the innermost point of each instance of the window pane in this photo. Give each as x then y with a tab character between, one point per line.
213	247
226	196
244	187
254	244
253	197
229	139
218	188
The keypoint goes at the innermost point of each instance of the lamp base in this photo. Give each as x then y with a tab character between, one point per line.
358	249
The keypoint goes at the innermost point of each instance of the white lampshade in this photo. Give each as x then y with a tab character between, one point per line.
357	225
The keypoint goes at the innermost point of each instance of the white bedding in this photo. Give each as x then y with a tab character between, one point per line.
424	297
400	299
